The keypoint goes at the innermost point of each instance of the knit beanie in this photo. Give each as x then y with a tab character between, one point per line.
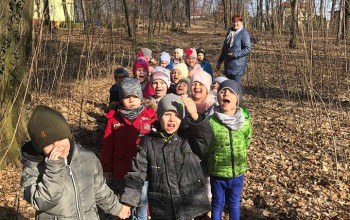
182	68
164	56
130	87
121	71
146	53
161	73
201	50
46	126
187	81
140	63
220	79
191	53
171	102
179	51
202	77
234	87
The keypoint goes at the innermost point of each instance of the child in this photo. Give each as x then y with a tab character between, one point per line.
119	74
178	56
164	61
183	87
215	86
140	71
60	179
227	156
147	54
160	81
122	135
204	62
179	71
192	62
171	161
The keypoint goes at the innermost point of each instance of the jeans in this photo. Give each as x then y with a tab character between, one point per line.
229	190
140	212
236	78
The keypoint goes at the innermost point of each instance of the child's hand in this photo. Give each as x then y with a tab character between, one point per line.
125	212
55	154
190	107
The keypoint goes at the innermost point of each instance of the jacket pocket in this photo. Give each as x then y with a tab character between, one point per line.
192	188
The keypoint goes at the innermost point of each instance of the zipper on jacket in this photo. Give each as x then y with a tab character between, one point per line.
232	154
75	190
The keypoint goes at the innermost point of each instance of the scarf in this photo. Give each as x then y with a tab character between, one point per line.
233	122
231	35
131	113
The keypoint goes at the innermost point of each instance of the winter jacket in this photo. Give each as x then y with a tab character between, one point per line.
236	64
60	191
207	67
120	140
229	144
176	189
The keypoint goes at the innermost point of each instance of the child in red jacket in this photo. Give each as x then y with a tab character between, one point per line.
122	135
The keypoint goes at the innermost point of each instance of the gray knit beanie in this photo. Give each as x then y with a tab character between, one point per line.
234	87
46	126
171	102
129	87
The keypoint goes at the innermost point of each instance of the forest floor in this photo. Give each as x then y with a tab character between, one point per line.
300	151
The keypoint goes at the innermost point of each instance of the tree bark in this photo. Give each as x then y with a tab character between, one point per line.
66	14
340	24
83	12
129	27
46	13
150	21
188	13
294	25
225	13
347	19
16	43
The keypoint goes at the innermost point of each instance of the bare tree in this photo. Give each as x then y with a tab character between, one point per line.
129	27
188	13
347	19
15	42
66	14
47	20
294	24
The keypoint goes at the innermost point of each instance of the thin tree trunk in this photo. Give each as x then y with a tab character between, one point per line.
83	12
225	13
47	20
14	71
129	27
340	24
188	13
321	14
66	14
150	20
347	19
294	27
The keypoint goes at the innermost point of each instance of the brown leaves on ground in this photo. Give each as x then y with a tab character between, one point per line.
299	155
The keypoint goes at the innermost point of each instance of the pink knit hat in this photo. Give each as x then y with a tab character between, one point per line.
202	77
140	63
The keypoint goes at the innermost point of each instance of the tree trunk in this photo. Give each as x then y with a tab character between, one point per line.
225	13
16	43
83	12
346	32
129	27
46	13
150	21
173	14
321	14
188	13
66	14
294	25
340	24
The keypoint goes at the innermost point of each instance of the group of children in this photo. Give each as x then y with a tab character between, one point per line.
174	147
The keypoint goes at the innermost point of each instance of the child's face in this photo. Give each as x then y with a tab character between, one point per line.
191	61
227	101
164	64
176	75
198	91
160	88
215	86
141	74
131	102
176	55
119	78
200	56
60	148
181	88
170	122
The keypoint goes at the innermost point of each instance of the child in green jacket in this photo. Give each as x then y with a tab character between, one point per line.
227	156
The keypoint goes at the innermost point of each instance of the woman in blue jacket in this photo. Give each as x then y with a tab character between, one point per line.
235	50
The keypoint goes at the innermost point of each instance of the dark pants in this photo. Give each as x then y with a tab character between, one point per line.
236	78
224	189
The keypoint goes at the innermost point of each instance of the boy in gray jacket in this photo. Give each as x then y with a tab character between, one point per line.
60	179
